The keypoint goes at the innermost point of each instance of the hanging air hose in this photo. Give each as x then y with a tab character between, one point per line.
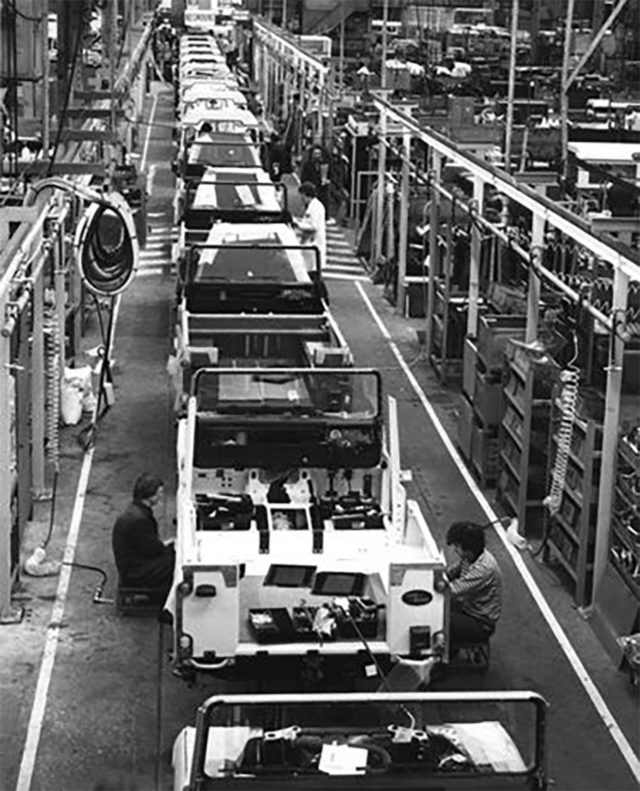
568	398
35	565
53	375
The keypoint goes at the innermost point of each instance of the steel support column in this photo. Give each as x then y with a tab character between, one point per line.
437	161
38	389
610	428
403	235
380	194
475	253
535	283
6	477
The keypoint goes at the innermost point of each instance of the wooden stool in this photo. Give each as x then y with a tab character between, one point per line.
471	656
139	602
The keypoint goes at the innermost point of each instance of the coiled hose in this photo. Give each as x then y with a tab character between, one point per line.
106	242
568	398
107	246
53	372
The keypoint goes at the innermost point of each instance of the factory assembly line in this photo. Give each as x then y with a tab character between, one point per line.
309	481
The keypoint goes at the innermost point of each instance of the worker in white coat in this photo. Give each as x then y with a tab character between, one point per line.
311	227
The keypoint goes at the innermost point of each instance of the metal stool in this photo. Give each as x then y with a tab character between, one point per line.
471	656
139	602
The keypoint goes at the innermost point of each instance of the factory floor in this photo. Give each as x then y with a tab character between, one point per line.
87	698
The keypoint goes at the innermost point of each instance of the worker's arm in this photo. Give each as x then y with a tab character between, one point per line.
469	583
453	571
305	224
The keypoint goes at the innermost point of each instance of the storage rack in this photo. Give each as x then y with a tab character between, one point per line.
523	437
624	552
482	405
571	532
449	323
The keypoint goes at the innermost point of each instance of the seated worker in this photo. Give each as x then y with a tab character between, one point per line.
142	559
475	582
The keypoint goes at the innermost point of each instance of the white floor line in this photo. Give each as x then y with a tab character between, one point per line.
329	275
27	764
590	688
335	267
150	177
36	719
145	150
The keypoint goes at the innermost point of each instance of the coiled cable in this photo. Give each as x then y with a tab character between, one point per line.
106	246
570	379
53	377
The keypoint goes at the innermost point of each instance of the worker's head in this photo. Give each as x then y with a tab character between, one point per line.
147	489
307	192
467	538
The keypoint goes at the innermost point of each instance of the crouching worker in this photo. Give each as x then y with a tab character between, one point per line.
142	559
476	586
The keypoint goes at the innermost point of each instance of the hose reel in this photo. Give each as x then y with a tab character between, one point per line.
106	242
106	246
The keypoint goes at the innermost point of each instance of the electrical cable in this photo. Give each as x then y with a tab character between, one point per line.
380	672
52	511
96	301
85	566
62	120
86	436
22	15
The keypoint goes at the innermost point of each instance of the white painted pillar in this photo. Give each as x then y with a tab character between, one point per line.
5	478
534	287
38	388
403	241
380	195
434	223
611	427
475	255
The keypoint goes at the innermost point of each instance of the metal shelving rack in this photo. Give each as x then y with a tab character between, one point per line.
571	532
523	439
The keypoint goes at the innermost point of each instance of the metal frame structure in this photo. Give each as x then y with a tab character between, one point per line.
41	240
280	60
625	264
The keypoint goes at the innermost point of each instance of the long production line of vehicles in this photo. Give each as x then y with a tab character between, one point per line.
296	539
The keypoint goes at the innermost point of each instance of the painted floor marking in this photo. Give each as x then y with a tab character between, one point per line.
330	275
590	688
145	150
36	719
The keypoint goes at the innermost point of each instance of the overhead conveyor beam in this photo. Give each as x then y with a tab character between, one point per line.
607	249
289	50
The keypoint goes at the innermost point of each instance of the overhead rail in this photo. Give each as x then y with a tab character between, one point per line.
273	37
605	248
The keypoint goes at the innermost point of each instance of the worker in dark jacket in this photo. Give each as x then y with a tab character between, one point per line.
142	559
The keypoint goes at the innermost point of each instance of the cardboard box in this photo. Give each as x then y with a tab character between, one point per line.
493	334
